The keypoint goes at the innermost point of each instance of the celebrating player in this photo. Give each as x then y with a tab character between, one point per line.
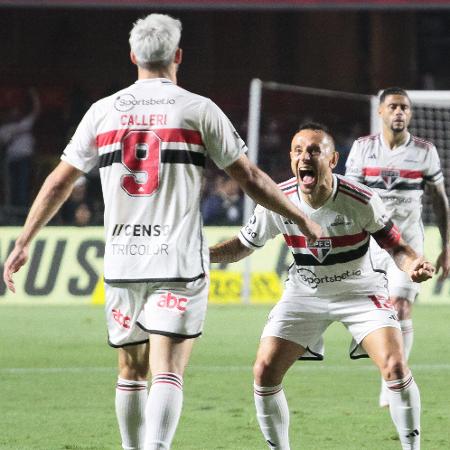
333	279
150	141
397	165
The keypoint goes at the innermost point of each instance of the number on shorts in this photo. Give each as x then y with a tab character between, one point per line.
141	155
381	302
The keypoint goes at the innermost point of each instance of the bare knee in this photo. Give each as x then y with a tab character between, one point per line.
265	373
403	307
134	362
394	367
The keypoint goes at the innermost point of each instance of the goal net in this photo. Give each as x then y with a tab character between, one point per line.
276	110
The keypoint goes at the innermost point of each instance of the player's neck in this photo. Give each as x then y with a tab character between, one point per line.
168	72
321	193
395	140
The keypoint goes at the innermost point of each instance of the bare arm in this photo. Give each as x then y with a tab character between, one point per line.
263	190
441	212
53	193
410	262
229	251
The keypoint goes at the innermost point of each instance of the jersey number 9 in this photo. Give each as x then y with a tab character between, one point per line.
141	155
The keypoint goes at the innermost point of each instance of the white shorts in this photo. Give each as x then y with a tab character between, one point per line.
303	320
399	282
133	310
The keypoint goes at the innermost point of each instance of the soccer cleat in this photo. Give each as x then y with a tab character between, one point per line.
383	401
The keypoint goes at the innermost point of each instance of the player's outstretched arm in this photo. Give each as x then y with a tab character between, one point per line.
53	193
441	212
263	190
410	262
229	251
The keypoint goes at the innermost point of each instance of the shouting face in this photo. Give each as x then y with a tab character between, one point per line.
312	160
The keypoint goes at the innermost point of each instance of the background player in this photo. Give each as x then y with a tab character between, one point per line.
330	280
398	165
150	141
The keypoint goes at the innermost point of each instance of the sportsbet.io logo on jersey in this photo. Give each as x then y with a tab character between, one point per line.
309	278
126	102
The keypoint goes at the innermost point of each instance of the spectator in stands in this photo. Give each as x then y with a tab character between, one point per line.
76	210
223	206
16	136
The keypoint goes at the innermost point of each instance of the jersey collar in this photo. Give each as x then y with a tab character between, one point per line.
153	80
384	144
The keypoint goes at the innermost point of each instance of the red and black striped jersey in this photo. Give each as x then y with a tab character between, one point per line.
339	262
398	176
150	142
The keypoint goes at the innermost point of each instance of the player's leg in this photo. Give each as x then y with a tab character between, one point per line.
273	359
124	303
385	347
174	316
168	359
131	394
402	293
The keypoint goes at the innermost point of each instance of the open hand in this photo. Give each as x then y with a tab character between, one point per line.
443	262
15	261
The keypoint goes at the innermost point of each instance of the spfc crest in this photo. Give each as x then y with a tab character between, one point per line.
389	176
320	249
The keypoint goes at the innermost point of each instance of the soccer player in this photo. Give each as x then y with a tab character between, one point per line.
397	166
150	141
333	279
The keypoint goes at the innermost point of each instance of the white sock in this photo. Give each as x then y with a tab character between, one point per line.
408	336
163	410
131	398
404	405
272	413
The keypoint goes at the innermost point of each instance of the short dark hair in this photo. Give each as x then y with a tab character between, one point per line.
393	91
316	126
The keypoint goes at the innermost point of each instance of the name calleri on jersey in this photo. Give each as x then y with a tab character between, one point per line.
150	142
339	262
398	176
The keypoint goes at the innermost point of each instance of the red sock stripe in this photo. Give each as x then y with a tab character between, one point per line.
168	378
267	393
402	385
131	388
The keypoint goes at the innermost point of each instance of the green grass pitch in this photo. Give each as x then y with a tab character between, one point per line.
57	378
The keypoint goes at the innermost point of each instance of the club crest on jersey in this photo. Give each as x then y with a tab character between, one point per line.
389	176
320	249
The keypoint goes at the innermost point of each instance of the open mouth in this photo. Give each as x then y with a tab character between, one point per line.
307	176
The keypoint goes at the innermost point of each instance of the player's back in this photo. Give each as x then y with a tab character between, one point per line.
152	140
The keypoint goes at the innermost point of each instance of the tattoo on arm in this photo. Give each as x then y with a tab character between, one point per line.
229	251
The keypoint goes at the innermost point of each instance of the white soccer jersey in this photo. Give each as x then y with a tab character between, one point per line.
150	141
398	176
339	262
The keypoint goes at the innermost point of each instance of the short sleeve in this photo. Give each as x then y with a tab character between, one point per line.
259	229
81	152
354	164
222	141
378	224
433	172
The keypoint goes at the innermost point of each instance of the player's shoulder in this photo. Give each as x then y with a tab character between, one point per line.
368	141
420	143
288	187
353	192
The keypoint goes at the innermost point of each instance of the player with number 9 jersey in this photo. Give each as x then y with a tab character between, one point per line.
150	142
